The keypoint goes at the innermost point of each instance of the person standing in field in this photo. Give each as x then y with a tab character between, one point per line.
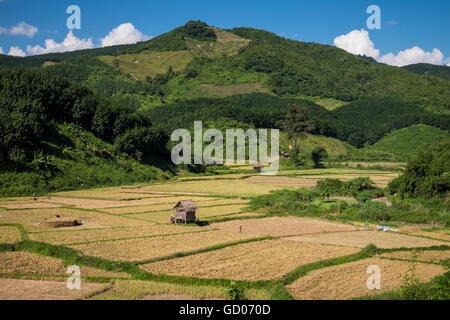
240	228
34	196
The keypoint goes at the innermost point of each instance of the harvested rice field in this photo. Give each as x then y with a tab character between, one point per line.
283	181
435	256
217	187
262	260
199	201
98	204
9	235
17	289
31	219
349	280
149	290
151	248
285	226
30	263
361	239
201	214
132	224
108	234
29	205
429	234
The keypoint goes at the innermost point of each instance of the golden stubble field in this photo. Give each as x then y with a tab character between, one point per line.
9	235
285	226
361	239
262	260
435	256
19	289
132	224
349	280
144	249
31	263
74	236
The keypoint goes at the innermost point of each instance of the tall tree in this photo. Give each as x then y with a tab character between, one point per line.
297	125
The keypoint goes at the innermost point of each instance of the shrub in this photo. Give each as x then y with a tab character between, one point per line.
364	196
426	175
330	186
374	211
305	195
235	291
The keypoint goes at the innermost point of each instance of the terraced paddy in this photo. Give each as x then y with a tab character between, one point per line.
125	233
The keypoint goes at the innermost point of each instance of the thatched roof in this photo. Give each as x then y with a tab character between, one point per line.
187	205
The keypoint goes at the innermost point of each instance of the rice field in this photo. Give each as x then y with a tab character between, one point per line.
202	213
435	256
349	280
149	290
151	248
361	239
199	201
30	263
262	260
29	205
284	226
108	234
17	289
9	235
32	218
216	187
131	224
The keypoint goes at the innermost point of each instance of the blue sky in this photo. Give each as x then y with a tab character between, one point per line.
405	24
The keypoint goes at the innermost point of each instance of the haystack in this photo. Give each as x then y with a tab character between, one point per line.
61	223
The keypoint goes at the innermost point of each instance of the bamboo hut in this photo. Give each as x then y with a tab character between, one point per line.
185	211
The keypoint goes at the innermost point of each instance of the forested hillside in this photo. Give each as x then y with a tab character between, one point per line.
57	135
125	101
429	69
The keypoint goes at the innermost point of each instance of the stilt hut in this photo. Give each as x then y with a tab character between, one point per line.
257	167
185	211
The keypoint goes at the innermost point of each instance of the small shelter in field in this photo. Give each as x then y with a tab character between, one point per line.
257	167
185	211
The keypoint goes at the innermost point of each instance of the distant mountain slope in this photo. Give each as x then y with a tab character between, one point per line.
405	142
246	55
429	69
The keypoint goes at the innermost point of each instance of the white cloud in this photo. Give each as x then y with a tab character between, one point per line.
126	33
447	62
22	29
1	50
412	56
17	52
70	43
358	42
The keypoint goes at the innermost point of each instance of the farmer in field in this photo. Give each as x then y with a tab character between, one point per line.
34	196
240	228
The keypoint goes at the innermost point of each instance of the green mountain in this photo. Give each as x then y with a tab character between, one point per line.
201	55
429	69
406	142
125	101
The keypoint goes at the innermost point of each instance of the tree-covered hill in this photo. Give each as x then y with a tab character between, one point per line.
429	69
361	122
51	128
404	143
126	100
285	67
